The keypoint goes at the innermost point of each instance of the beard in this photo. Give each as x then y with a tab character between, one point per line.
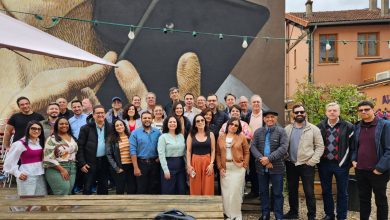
300	119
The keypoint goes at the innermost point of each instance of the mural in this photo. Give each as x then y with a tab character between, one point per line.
153	60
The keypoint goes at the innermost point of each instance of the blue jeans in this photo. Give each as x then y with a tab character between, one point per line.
326	171
277	190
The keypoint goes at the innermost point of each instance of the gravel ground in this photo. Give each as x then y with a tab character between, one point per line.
320	212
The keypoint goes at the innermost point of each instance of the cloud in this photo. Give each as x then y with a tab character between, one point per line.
326	5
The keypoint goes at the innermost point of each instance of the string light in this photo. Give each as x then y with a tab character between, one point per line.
170	28
245	42
327	46
131	34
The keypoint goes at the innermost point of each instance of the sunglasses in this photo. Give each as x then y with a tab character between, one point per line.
235	125
364	110
200	120
299	112
35	129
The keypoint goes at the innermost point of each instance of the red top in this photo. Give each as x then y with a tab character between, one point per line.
30	155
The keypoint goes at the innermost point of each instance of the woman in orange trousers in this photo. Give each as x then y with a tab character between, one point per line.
200	158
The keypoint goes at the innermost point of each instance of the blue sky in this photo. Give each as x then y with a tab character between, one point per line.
327	5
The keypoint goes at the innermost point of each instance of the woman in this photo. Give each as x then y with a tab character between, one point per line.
178	111
158	117
59	158
235	112
232	160
171	151
118	155
29	175
200	158
131	117
209	115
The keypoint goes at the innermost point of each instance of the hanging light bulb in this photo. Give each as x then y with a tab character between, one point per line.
131	34
220	36
388	43
245	42
327	46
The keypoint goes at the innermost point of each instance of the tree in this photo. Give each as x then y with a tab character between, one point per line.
315	97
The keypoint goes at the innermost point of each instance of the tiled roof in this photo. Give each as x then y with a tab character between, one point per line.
337	16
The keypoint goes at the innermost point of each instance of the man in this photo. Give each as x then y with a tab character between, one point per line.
305	150
189	110
370	158
91	155
269	147
143	150
337	135
150	103
245	111
87	106
136	101
18	121
64	111
230	100
53	110
174	95
255	121
219	117
116	111
79	119
201	102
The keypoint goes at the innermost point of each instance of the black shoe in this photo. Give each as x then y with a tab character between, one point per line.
311	218
290	215
251	195
264	217
327	217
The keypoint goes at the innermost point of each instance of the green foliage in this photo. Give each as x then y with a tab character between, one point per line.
315	98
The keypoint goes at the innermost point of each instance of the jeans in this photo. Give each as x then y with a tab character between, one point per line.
369	182
125	181
306	173
58	185
277	191
326	171
98	172
176	185
149	181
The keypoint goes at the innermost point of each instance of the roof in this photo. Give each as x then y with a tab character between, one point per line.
338	17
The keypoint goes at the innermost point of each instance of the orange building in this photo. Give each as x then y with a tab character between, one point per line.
340	47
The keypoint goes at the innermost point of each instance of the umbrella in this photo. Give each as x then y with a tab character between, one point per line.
16	35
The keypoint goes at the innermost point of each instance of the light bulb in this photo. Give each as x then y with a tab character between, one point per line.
388	42
245	43
220	36
131	34
328	47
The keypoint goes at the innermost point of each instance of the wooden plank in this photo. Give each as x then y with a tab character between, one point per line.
130	197
126	208
124	215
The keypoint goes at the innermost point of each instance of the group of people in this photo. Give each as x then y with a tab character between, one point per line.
184	146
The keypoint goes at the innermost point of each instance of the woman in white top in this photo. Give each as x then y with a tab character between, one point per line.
158	117
30	174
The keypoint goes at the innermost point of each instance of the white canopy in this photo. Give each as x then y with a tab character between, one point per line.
16	35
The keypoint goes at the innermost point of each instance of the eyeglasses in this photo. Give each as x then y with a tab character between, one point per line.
364	110
200	120
299	112
35	129
235	125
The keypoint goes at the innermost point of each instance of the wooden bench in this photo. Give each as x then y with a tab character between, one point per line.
108	206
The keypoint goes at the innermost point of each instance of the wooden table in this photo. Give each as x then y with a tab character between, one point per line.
107	206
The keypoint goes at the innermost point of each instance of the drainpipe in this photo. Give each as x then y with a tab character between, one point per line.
311	55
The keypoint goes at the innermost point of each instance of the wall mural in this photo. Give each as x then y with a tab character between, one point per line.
153	60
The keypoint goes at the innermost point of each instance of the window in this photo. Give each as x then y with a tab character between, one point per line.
328	56
367	45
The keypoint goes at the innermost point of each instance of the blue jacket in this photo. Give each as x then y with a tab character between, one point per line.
382	143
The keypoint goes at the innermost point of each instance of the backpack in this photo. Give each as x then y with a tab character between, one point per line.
173	214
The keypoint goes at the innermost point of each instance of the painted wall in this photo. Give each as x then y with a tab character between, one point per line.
153	61
369	70
381	95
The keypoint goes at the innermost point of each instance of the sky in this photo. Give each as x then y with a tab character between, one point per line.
327	5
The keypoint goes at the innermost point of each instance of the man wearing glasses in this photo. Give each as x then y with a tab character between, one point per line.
305	150
370	158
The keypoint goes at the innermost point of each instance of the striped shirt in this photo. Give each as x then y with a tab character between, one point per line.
124	149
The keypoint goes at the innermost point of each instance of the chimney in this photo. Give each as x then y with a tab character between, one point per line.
373	4
309	8
384	8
